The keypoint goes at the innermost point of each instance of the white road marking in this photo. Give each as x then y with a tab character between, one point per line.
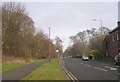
111	68
81	63
95	67
107	67
87	65
101	69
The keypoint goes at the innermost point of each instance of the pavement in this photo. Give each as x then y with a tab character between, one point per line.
22	72
91	70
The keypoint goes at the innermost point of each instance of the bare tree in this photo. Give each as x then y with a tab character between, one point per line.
16	27
87	40
59	44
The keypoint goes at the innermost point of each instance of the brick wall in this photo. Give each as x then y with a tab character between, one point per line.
113	40
113	44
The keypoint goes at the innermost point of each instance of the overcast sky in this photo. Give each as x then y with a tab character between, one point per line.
68	18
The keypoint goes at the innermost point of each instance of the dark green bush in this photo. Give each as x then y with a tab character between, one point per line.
95	54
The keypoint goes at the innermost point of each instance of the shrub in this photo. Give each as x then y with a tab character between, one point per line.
95	54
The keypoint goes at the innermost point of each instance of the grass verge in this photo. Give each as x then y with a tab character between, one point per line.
48	71
9	67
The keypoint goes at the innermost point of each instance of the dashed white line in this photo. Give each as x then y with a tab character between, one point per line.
87	65
111	68
81	63
107	67
101	69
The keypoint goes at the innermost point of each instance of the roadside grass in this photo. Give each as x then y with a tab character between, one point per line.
12	66
48	71
9	67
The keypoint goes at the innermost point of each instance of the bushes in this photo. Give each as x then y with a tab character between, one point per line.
95	54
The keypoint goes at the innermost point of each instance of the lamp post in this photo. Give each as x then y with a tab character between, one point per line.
98	20
58	56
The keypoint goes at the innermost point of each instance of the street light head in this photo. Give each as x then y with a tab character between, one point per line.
57	50
96	20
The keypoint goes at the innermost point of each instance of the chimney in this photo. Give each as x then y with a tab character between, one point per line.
118	24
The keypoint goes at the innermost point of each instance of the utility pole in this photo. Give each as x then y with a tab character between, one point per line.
49	47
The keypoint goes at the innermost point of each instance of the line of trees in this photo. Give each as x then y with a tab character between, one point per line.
19	37
88	42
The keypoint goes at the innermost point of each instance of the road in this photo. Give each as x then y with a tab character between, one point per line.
91	70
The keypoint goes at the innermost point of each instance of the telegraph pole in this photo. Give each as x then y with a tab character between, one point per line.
49	47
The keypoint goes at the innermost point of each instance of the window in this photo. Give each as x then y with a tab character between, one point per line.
107	54
106	45
117	36
113	38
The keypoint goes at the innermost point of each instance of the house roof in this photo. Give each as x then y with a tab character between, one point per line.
115	29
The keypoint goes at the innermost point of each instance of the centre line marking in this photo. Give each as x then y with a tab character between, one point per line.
111	68
101	69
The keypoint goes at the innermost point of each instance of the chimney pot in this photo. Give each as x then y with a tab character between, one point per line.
118	24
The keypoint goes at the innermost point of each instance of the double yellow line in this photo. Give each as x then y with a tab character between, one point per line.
70	75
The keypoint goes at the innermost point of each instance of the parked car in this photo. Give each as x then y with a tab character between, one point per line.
117	59
85	58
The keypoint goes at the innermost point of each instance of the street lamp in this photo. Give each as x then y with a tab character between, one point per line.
58	56
57	51
98	20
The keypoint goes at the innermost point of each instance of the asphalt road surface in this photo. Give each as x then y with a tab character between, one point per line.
91	70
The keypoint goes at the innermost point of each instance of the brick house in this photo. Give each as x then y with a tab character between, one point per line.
111	44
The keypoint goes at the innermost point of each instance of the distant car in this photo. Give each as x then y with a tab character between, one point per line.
117	60
85	58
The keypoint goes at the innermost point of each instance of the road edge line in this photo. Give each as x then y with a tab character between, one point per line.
65	73
69	74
